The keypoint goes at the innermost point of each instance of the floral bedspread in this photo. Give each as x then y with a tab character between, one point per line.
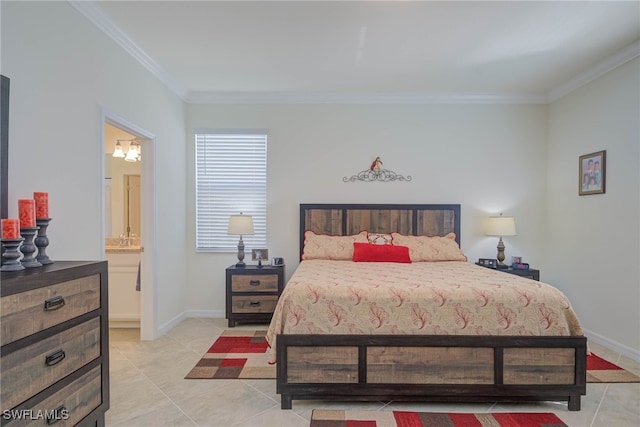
426	298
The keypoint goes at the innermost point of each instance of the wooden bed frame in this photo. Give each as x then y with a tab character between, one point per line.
425	368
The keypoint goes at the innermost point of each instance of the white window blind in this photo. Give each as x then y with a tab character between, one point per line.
231	177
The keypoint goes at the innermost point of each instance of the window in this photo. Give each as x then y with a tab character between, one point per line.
231	177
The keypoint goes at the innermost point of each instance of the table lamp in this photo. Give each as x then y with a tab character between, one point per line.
240	225
500	226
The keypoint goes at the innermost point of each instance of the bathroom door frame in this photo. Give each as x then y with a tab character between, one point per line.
148	212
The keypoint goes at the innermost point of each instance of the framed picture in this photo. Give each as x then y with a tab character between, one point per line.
259	254
592	173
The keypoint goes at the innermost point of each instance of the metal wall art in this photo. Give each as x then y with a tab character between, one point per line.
377	173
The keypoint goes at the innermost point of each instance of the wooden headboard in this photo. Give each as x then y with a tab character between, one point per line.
347	219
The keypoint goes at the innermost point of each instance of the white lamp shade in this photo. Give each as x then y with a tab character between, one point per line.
118	152
500	226
240	224
132	155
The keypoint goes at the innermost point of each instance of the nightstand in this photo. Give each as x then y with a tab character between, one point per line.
531	273
252	293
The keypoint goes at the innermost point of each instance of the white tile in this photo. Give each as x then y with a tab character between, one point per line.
148	389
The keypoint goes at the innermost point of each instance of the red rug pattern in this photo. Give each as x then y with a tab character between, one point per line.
242	354
235	354
333	418
603	371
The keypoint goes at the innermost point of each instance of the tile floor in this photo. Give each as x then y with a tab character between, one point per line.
148	389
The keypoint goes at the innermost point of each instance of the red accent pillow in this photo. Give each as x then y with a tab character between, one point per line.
366	252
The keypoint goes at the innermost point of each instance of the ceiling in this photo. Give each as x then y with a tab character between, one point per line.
235	50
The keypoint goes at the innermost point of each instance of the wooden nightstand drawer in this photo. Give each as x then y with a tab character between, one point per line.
39	365
26	313
252	293
72	403
254	283
254	303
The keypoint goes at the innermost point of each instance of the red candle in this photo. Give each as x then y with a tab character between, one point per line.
27	212
10	229
42	204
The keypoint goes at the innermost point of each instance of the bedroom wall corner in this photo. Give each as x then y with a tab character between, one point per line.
594	241
64	71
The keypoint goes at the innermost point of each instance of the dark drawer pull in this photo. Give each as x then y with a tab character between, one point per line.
54	303
55	358
60	413
254	303
254	282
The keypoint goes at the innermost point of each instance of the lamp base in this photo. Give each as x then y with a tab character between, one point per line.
500	256
240	263
502	267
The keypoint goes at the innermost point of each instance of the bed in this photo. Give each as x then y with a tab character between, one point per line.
346	330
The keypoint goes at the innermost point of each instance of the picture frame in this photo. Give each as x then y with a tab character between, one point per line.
488	262
591	175
259	254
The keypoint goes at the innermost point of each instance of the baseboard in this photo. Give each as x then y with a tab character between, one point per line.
166	327
624	350
124	321
212	314
124	324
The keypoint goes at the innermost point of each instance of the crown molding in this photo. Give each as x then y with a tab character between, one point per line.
95	15
621	57
361	98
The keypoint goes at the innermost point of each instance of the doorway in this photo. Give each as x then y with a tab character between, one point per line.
120	225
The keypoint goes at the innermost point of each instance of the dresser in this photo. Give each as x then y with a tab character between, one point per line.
252	293
54	345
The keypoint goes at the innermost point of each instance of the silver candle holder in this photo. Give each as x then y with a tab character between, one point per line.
11	255
42	241
28	248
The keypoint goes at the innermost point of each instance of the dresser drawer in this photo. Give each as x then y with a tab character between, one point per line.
28	312
254	303
69	405
254	283
37	366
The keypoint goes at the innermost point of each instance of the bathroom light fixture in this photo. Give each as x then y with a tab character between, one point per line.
133	153
118	152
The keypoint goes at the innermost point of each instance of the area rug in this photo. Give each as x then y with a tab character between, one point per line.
332	418
235	354
603	371
242	354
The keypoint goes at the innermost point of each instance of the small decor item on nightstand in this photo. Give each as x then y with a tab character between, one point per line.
259	255
520	266
516	260
488	262
277	262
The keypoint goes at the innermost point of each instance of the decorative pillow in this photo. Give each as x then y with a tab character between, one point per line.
424	248
379	238
323	246
366	252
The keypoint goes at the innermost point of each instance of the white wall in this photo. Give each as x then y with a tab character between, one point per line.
594	241
489	158
63	71
520	160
